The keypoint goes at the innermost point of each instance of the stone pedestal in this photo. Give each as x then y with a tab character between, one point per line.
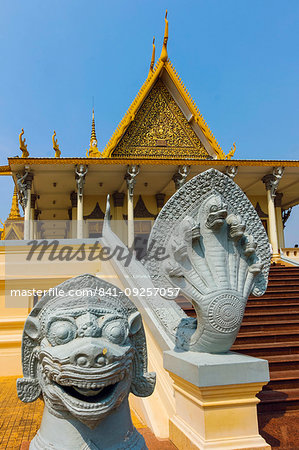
215	398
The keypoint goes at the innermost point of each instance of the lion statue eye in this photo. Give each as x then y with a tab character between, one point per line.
115	331
61	332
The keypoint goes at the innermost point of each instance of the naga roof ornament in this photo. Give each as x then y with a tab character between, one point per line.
23	145
56	146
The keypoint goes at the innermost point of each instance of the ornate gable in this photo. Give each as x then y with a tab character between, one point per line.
160	130
163	120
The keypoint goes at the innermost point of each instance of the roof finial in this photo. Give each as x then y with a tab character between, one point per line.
93	129
93	150
164	54
56	146
153	57
23	146
231	152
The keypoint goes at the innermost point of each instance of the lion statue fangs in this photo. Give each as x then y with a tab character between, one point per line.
83	355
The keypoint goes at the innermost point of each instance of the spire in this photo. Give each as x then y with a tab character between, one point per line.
93	150
93	128
14	210
164	55
153	57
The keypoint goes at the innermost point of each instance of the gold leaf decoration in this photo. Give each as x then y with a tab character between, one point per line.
160	130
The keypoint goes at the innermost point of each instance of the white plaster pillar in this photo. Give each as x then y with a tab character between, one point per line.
27	206
118	202
81	172
33	198
271	182
130	177
79	216
279	224
35	227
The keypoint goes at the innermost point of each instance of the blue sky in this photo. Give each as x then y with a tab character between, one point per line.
238	58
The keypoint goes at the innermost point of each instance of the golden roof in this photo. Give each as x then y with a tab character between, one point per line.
164	64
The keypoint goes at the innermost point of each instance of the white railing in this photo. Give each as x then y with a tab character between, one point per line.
290	255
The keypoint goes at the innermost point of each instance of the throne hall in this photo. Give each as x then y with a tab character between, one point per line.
162	141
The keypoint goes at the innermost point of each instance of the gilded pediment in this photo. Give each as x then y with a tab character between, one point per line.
160	130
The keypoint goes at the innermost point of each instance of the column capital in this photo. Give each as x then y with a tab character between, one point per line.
24	183
231	171
130	177
272	180
118	199
29	180
160	199
80	174
180	176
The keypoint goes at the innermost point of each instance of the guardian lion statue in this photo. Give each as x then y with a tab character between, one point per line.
83	352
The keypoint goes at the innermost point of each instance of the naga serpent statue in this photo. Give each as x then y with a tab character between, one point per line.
217	254
83	354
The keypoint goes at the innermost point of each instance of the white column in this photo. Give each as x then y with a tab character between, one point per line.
81	172
36	214
27	206
130	220
132	172
279	224
118	202
272	224
271	182
79	216
74	201
32	208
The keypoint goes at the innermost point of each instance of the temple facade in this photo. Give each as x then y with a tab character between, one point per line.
161	142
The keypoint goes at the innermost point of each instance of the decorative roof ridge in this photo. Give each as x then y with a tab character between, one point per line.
133	108
140	97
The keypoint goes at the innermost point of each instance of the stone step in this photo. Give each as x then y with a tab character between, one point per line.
280	288
272	301
278	400
271	311
283	362
271	336
282	294
279	380
283	269
265	349
268	325
283	282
